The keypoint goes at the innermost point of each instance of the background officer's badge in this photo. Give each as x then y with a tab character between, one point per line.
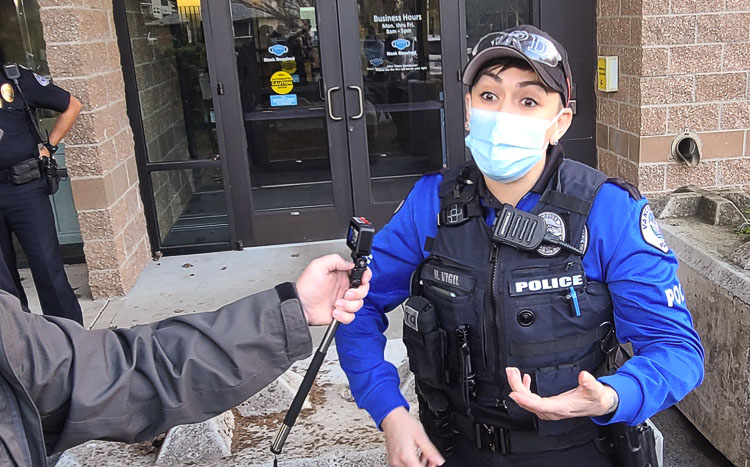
650	230
6	91
555	226
43	80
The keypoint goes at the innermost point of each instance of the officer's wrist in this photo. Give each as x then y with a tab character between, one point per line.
52	148
611	400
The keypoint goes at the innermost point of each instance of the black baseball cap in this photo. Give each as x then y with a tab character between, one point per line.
543	53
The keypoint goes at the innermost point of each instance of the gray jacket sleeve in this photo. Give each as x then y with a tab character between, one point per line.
132	384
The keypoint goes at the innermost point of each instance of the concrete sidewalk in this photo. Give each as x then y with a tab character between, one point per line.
333	431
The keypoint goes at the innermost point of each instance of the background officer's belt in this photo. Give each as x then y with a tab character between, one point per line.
5	174
506	441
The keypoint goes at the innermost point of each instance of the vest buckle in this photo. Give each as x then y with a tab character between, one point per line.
454	214
491	437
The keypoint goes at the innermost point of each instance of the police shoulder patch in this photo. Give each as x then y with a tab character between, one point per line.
43	80
650	230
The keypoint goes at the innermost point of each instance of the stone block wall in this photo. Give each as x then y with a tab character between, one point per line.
84	58
684	64
157	77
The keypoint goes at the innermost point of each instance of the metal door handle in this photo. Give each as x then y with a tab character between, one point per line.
361	102
328	101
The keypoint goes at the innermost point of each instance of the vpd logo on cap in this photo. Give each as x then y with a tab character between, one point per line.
278	49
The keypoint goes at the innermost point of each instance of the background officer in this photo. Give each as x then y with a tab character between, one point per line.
25	208
516	387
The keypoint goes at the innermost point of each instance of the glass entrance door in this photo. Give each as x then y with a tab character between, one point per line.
396	75
282	96
331	108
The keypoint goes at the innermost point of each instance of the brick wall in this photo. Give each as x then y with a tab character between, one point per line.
684	64
83	57
157	77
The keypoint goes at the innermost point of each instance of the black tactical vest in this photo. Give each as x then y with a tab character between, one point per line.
497	306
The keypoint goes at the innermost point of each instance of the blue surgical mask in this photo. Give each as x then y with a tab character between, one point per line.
506	146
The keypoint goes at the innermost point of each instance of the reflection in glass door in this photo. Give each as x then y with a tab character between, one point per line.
176	124
283	106
403	93
332	109
486	16
399	85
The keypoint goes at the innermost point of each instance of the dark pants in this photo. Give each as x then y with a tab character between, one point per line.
25	210
466	454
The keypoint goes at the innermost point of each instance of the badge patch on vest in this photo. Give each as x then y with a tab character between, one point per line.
555	283
43	80
650	230
6	91
584	245
555	226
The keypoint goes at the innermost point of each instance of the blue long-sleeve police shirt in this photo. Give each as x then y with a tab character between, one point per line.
625	250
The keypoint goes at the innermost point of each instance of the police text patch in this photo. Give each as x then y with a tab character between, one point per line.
650	230
547	284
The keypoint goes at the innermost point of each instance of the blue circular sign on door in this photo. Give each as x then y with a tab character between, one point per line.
278	49
376	61
401	44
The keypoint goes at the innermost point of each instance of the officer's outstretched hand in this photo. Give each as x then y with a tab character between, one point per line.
407	443
590	399
323	290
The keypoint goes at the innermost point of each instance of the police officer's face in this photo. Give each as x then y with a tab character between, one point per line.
519	92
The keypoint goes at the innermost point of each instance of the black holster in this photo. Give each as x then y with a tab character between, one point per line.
436	420
629	446
51	173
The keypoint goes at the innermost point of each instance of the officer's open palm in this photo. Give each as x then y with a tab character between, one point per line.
407	443
590	399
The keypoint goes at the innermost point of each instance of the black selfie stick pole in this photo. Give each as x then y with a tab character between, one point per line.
355	280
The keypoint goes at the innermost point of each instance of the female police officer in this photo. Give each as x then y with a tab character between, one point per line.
505	342
24	199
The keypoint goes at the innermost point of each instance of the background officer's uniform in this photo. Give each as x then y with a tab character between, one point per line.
25	209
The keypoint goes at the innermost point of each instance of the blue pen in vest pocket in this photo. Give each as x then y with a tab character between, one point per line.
573	297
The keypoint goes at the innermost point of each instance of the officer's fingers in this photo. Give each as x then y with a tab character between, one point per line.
546	408
408	458
430	453
527	381
515	381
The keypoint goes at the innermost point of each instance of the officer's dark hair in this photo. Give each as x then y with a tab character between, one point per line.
495	66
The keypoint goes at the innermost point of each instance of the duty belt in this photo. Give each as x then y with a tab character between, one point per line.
507	441
6	175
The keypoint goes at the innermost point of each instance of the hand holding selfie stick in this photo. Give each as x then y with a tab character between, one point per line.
359	240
